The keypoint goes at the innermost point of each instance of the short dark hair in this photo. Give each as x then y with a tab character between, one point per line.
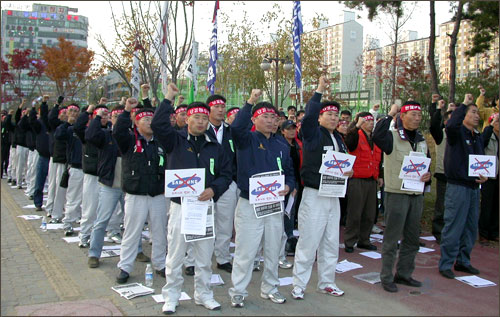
182	105
291	107
300	111
263	104
467	108
347	112
215	97
197	104
103	106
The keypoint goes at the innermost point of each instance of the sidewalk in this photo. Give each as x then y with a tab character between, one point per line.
41	274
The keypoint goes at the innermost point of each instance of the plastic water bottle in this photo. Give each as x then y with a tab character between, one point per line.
149	276
44	224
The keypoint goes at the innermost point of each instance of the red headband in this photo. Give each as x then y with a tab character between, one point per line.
407	108
63	110
97	110
263	110
198	110
143	114
329	108
368	117
134	110
118	111
180	109
234	111
216	102
73	107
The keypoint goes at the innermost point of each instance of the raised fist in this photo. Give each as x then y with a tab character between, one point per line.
254	96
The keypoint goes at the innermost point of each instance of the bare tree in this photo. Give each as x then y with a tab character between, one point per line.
432	44
453	57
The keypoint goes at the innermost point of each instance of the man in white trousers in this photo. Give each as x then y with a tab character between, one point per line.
190	148
143	181
257	152
319	214
20	132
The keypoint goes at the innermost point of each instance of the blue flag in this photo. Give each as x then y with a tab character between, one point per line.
212	65
297	31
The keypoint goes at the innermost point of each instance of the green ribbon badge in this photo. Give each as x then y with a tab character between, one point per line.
279	163
212	166
231	144
161	161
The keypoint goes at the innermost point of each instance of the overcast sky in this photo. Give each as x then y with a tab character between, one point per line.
100	21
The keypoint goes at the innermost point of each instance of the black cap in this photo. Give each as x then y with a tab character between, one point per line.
287	124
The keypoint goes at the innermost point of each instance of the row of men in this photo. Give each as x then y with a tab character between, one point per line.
231	155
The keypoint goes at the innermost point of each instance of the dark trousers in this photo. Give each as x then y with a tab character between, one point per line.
438	220
402	219
42	169
5	158
488	219
361	210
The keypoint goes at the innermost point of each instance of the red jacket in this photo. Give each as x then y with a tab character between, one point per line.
367	160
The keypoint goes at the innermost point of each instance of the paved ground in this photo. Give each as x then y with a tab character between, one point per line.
43	275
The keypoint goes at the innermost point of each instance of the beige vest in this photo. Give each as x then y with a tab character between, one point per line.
492	149
393	162
440	155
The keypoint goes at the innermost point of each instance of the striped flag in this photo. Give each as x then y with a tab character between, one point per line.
163	48
297	31
135	80
192	70
212	65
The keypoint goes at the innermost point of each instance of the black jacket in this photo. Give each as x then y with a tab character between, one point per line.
89	151
64	132
58	146
39	127
108	150
7	128
143	173
317	141
460	143
22	126
183	153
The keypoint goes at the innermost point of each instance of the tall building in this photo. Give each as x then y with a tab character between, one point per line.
343	45
43	25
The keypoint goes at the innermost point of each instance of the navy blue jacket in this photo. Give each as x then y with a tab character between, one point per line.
64	132
227	145
182	152
39	127
22	126
460	143
258	154
103	139
57	148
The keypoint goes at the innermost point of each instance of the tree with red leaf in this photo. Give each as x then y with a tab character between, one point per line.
18	69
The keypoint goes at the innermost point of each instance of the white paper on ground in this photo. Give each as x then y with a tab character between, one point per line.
232	245
216	279
286	281
30	217
55	226
429	238
377	236
77	229
372	254
425	250
475	281
111	247
145	234
106	239
345	266
71	239
372	277
29	206
110	253
159	297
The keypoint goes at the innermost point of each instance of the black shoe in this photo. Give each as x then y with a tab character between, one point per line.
30	197
228	267
93	262
422	244
9	181
141	257
189	271
122	278
349	249
14	183
55	220
161	272
390	287
409	282
39	208
466	268
370	247
448	274
69	232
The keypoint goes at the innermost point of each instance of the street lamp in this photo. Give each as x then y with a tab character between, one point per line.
266	65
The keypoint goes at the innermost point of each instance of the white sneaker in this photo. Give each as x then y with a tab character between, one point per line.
116	238
298	292
275	297
210	304
376	229
334	291
285	264
169	308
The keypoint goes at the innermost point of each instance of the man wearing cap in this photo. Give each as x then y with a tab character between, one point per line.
258	151
461	203
143	170
231	114
403	209
319	216
225	206
64	133
191	148
362	189
57	194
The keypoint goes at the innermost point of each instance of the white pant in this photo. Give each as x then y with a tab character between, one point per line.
202	252
22	162
137	209
319	231
11	169
33	157
73	207
224	222
249	233
60	192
